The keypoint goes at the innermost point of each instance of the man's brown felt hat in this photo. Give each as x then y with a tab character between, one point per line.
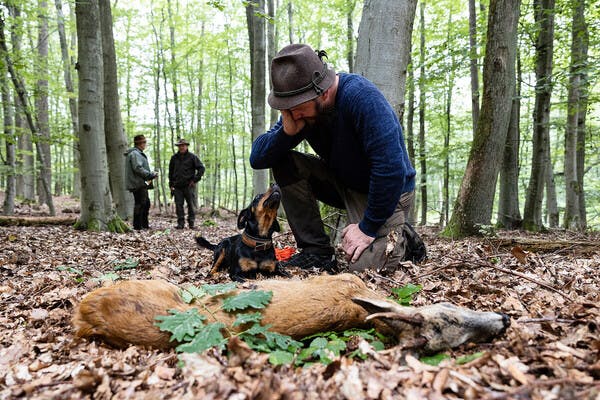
298	75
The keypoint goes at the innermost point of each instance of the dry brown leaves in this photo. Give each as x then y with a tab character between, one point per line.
550	351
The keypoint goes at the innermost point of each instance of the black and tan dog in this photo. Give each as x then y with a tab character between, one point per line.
251	251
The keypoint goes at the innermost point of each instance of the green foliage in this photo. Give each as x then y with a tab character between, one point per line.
435	359
75	273
207	223
190	329
129	263
404	294
469	357
110	276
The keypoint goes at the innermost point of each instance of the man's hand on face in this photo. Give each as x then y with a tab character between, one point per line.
354	242
291	127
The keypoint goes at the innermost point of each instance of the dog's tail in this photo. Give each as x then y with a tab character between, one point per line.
205	243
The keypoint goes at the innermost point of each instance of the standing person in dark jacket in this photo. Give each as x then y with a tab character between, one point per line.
138	179
362	162
185	170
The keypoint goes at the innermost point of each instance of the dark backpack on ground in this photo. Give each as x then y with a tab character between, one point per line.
415	250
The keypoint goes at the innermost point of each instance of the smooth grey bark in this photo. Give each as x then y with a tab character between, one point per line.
574	218
384	45
96	200
422	145
290	13
232	131
258	54
474	204
41	101
551	201
25	160
116	142
445	214
350	5
509	215
8	207
67	65
544	18
24	102
173	70
271	51
410	134
474	69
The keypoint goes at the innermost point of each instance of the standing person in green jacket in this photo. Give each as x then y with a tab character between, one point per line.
139	178
185	170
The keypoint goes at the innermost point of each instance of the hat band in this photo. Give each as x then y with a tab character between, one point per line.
314	84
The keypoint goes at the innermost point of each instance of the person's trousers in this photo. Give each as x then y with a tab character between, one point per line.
141	208
186	194
303	180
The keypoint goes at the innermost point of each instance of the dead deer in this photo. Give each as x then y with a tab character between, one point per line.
125	313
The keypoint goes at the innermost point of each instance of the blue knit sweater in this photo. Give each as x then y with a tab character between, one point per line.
362	144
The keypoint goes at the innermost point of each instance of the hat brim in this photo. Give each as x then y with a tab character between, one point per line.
285	103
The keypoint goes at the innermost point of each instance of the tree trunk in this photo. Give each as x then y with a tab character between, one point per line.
575	127
509	216
290	13
24	160
256	33
67	65
410	134
475	200
473	64
551	201
272	51
96	199
41	101
444	215
174	78
9	140
544	17
350	5
24	102
422	148
232	131
116	142
384	46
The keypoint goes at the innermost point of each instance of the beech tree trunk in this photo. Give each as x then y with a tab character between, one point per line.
24	161
272	49
9	141
41	102
473	207
509	216
96	199
258	54
116	142
350	5
384	45
544	17
67	65
422	145
473	64
575	217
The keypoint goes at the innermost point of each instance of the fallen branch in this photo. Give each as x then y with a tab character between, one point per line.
531	244
539	383
36	221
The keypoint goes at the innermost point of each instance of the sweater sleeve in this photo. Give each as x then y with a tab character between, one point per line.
268	148
381	136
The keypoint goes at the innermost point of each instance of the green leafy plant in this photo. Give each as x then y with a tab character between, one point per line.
191	329
110	276
404	295
78	274
129	263
435	359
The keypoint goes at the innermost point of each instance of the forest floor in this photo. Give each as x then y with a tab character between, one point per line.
549	284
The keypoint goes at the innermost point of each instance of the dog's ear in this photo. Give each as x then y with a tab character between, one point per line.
276	226
243	218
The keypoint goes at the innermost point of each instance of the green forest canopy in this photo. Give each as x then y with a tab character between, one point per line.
210	61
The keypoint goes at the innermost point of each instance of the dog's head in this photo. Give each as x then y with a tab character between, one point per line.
260	218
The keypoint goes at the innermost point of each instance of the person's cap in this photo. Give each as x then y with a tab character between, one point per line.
182	141
139	139
298	74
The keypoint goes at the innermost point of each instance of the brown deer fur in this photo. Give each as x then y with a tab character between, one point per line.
125	313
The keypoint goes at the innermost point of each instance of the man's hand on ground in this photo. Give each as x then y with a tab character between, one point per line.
354	242
291	127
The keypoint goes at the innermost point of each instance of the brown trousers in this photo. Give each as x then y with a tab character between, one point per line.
303	180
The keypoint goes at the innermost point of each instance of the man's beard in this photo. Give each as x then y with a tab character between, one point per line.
325	115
